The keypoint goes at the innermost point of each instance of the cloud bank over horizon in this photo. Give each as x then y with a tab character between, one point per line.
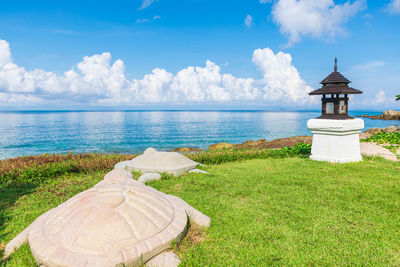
97	80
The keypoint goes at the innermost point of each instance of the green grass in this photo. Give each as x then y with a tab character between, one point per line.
273	211
229	155
295	212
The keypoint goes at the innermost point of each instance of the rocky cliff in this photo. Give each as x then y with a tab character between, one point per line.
386	115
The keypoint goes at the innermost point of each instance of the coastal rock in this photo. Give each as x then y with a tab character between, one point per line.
373	150
391	114
373	131
277	143
386	115
187	149
390	129
150	176
82	230
250	144
365	135
221	146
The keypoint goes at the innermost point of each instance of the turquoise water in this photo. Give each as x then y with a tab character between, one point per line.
38	132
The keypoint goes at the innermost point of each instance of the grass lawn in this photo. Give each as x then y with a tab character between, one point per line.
272	211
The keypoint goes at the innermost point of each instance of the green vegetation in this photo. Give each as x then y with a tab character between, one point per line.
390	141
280	209
228	155
397	97
384	138
294	212
36	169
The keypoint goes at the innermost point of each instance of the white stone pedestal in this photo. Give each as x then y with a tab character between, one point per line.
336	140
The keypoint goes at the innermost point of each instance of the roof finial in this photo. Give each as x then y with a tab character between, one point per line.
335	64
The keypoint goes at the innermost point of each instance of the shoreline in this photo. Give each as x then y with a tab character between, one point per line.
388	115
277	143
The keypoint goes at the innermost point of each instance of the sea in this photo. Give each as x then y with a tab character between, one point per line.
24	133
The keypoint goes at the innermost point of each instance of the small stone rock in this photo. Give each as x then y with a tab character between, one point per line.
221	146
198	171
165	259
150	176
390	129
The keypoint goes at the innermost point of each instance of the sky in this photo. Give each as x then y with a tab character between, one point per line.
196	54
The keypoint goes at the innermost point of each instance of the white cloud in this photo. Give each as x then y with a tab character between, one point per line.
369	65
141	21
394	7
5	53
315	18
248	21
99	80
147	3
381	97
281	78
146	20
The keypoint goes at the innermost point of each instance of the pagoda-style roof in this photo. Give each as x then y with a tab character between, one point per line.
326	90
335	83
335	77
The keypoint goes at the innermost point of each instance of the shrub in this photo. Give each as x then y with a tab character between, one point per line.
382	137
227	155
34	169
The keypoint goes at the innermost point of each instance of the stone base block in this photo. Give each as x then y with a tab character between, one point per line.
336	140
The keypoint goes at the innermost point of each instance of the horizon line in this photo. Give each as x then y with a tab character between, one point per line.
173	110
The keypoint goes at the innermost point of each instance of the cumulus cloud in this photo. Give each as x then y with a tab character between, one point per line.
5	53
281	78
315	18
394	7
98	79
248	21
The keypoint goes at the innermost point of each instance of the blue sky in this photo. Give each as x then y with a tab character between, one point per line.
138	54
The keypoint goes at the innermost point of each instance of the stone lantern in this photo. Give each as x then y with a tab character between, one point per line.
335	133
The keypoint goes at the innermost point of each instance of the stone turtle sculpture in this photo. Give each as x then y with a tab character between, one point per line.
118	221
156	162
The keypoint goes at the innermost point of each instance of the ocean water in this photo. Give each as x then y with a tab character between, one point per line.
39	132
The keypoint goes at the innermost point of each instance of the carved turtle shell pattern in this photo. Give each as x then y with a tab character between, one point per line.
107	225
